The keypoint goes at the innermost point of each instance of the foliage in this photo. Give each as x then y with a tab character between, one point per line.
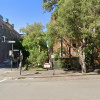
36	67
29	67
90	53
52	34
18	45
62	63
56	55
79	19
34	41
48	5
42	57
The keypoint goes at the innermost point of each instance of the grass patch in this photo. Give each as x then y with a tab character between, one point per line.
36	67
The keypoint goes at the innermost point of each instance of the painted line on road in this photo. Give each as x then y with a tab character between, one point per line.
7	71
3	80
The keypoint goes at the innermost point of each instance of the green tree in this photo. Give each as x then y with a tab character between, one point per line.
52	34
34	41
80	19
18	45
49	5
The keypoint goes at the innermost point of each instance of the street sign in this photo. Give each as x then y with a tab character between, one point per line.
15	50
11	41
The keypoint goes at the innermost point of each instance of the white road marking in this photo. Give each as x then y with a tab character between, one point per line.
3	80
7	71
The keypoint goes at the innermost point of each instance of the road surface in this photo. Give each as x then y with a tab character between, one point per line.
55	88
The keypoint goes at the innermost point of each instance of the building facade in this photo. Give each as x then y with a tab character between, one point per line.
70	53
7	33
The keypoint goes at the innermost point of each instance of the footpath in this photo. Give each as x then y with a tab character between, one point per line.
15	73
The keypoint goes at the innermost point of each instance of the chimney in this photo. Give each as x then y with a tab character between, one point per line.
13	26
7	20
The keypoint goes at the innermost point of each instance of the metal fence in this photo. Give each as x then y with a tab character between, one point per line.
63	64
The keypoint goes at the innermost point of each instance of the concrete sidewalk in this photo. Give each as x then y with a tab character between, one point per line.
15	73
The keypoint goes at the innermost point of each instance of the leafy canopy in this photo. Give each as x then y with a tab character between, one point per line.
34	41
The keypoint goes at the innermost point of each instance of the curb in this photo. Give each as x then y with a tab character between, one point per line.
23	77
52	76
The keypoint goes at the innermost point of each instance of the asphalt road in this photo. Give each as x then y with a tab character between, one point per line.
57	88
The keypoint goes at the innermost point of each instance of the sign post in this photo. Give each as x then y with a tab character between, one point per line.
20	61
52	56
11	53
17	57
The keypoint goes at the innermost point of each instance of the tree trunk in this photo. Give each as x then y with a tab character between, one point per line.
70	50
61	46
82	57
83	62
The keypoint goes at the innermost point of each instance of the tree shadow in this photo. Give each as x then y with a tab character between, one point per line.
94	69
72	71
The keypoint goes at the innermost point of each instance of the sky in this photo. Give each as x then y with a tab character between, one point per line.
21	12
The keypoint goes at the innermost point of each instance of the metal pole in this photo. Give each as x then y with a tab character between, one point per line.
12	46
20	62
20	68
53	68
11	64
12	57
17	62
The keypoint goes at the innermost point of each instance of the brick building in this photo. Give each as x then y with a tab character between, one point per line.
6	30
69	52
